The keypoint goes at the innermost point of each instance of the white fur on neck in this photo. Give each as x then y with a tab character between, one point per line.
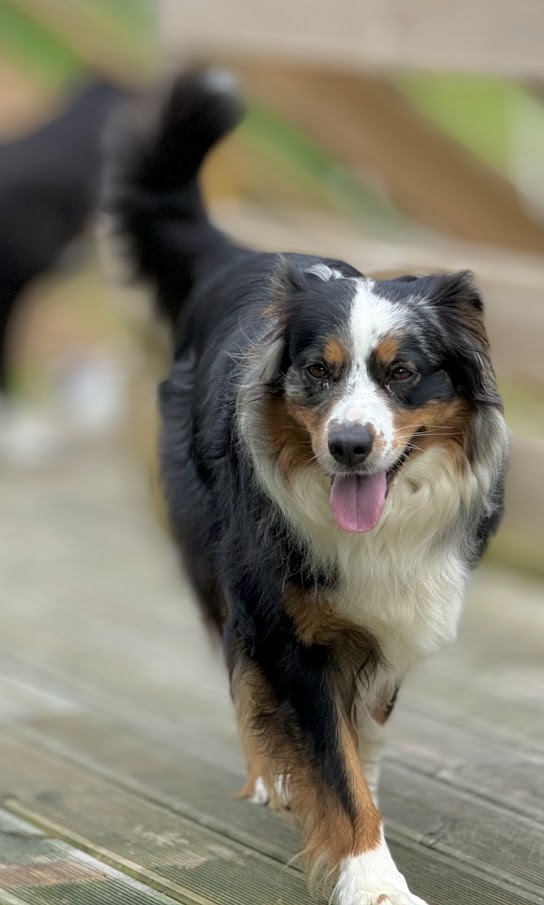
405	580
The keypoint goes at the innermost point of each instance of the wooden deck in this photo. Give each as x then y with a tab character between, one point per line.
119	760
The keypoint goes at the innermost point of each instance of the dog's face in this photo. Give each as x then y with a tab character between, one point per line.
373	373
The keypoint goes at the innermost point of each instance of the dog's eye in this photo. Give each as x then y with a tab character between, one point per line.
400	373
317	371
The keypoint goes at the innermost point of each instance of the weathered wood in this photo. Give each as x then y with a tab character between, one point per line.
22	100
22	701
476	36
115	631
176	856
505	771
127	831
502	770
37	870
368	124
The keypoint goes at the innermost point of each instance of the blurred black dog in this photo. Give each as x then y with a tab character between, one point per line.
49	180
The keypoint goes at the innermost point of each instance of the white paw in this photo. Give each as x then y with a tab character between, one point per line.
390	898
261	794
380	893
372	879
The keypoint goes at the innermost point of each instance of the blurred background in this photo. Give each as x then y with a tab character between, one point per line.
390	135
396	134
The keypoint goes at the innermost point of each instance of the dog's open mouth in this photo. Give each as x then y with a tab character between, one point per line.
357	501
394	470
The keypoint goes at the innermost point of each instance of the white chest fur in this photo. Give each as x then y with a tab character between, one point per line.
405	580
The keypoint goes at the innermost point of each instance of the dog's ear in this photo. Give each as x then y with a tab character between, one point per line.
287	282
273	351
459	304
456	291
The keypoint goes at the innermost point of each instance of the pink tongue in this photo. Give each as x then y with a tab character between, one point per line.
357	502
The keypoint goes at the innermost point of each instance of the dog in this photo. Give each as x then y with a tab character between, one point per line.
333	456
49	185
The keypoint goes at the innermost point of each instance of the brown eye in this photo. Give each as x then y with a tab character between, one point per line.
317	371
400	373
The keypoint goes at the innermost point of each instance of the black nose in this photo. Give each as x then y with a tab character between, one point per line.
350	444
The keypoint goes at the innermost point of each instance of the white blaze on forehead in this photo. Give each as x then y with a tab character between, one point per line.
324	272
371	319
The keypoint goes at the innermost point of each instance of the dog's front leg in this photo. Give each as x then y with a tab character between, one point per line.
293	724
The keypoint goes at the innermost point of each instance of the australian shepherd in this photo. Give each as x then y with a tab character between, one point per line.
333	456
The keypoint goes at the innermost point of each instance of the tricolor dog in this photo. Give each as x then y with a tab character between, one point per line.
333	456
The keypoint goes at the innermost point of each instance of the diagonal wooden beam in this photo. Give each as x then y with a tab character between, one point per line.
365	123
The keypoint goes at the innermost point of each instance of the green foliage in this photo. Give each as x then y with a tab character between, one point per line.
35	49
476	110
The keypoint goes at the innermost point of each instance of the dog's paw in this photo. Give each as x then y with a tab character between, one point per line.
373	879
260	793
392	898
257	792
383	894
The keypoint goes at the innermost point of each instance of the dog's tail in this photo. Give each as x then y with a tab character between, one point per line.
151	185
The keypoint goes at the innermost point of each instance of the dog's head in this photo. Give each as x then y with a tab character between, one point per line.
364	375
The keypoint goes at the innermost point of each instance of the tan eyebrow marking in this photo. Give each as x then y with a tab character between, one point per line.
335	354
386	350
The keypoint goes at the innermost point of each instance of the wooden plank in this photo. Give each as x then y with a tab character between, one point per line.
36	870
445	881
509	777
22	100
486	836
176	856
457	755
471	35
508	774
473	831
22	701
163	770
368	124
470	700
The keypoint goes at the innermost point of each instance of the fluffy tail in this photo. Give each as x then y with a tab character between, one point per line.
151	183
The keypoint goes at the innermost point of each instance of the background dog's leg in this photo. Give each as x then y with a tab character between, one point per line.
301	731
